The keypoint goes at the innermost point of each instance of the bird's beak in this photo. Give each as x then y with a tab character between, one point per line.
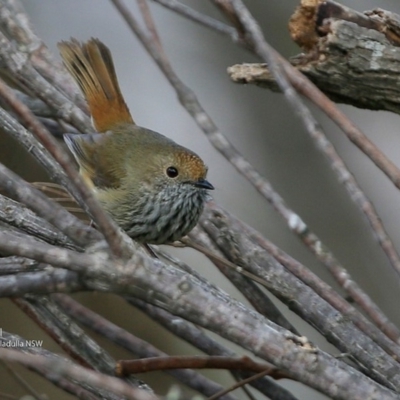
204	184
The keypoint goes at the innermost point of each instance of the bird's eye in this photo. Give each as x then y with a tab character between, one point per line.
172	172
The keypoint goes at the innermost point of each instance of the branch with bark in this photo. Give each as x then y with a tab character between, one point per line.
359	53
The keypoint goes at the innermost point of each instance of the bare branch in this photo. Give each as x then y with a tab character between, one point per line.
24	219
125	367
132	343
71	226
14	265
62	368
202	19
187	297
43	282
244	281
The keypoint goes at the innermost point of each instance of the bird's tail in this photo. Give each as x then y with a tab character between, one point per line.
92	67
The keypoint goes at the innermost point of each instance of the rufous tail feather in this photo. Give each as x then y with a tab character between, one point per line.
92	67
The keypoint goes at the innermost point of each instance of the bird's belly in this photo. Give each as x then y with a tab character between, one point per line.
160	222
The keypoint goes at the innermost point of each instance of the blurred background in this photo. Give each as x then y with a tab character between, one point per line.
262	126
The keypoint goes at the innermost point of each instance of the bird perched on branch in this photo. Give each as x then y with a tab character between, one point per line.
152	187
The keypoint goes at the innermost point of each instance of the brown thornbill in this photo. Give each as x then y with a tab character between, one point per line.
152	187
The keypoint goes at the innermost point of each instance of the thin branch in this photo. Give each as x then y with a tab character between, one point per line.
17	66
24	219
126	367
150	25
200	18
71	226
37	106
239	384
14	129
132	343
79	374
72	388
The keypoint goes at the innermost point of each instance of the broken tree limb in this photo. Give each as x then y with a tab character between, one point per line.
354	58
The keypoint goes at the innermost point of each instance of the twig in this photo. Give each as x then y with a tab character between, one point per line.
71	226
15	130
125	367
150	25
26	78
72	388
200	18
239	384
24	219
37	106
78	374
54	189
132	343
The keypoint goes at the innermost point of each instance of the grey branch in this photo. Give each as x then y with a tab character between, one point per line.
191	299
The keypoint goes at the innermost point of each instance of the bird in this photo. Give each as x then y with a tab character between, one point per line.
152	187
